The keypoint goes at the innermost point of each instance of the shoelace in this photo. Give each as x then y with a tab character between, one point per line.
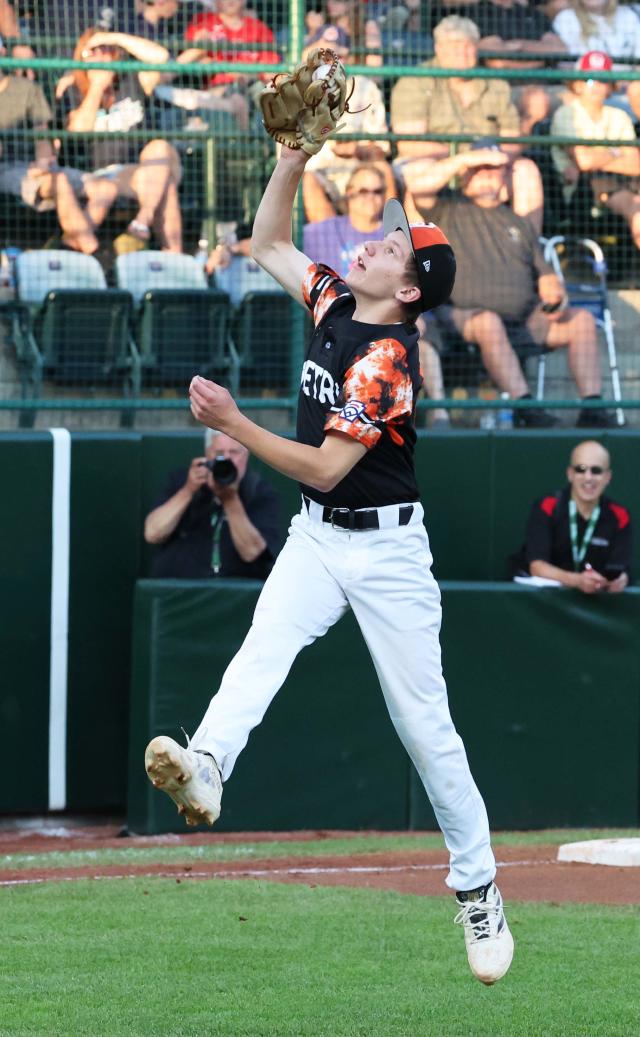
478	916
207	756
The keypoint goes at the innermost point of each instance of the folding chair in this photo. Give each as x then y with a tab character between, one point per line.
261	330
182	326
581	266
66	324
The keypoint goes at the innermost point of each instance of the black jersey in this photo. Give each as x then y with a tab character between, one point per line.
363	380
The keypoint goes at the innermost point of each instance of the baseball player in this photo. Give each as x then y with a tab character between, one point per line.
358	542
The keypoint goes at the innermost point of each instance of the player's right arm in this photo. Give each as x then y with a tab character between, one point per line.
271	243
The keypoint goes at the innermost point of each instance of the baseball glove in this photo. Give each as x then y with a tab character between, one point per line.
301	108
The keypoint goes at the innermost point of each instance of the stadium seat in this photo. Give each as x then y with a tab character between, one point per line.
182	326
262	326
68	327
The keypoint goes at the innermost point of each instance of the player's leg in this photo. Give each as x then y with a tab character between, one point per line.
403	640
397	605
299	602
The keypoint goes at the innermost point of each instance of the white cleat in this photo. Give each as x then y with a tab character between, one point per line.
486	933
192	779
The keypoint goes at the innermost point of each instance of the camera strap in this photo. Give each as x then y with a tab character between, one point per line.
217	518
578	551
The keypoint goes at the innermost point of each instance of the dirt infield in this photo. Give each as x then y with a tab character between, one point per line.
526	872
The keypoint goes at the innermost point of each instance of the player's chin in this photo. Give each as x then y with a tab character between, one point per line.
355	273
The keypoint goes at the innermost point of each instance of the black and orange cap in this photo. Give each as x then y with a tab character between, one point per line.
434	256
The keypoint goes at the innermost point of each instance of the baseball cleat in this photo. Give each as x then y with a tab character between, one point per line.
192	779
486	933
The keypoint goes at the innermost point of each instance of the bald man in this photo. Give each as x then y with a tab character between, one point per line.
579	536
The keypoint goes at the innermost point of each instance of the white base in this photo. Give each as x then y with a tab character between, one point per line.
621	853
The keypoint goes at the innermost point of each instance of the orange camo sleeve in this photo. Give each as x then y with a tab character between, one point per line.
377	391
321	286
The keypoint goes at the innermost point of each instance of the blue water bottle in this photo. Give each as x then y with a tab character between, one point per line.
505	414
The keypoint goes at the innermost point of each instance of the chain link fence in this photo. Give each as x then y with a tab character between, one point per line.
133	160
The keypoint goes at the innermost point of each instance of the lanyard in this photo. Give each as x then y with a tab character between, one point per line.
217	518
579	552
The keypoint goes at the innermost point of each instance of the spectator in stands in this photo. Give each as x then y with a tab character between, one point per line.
231	23
352	17
60	22
215	521
314	17
165	21
124	166
327	173
451	105
612	173
337	241
579	536
603	25
509	26
514	27
29	170
599	25
551	7
10	29
505	294
404	36
233	268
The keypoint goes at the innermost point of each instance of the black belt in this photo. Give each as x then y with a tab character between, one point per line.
343	518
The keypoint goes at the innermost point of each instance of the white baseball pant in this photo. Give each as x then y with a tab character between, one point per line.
385	577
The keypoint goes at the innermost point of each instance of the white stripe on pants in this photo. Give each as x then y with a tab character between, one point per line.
385	576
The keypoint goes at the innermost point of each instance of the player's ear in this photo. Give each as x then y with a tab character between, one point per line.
408	294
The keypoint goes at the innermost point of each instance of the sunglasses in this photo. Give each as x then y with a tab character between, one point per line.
362	191
594	469
103	48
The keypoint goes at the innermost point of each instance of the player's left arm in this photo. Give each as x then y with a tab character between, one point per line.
271	242
322	467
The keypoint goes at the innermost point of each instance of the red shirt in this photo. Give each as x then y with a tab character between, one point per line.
252	31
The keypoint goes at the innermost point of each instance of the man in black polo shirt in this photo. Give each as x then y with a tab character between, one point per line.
358	541
210	520
580	537
505	294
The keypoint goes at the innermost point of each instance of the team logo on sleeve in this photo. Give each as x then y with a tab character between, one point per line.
352	410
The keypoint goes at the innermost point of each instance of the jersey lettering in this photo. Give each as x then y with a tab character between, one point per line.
318	383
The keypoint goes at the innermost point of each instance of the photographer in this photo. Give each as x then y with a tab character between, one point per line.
216	518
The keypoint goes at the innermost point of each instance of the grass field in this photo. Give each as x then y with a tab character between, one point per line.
256	959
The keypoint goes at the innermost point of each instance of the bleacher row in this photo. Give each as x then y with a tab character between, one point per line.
158	327
150	332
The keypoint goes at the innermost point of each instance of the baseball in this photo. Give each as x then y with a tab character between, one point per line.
321	72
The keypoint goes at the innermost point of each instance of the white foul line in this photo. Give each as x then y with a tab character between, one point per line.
259	873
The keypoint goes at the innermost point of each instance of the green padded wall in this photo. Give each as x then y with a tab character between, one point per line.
26	463
104	563
326	755
544	687
455	479
476	487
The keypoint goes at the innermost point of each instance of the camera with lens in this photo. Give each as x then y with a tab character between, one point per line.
223	470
